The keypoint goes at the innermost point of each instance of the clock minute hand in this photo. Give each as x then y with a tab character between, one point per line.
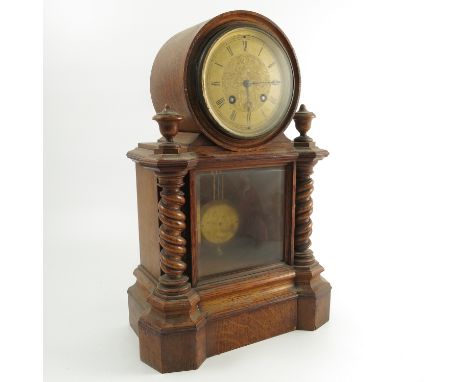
275	82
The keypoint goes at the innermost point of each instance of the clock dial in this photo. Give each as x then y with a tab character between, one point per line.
219	222
247	82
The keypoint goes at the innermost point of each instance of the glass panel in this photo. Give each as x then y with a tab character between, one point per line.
240	216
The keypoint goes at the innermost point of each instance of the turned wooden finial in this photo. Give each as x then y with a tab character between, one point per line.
168	121
303	120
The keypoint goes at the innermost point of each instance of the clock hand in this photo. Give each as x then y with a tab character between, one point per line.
275	82
247	84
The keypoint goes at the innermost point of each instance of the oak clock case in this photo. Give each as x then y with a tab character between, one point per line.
224	198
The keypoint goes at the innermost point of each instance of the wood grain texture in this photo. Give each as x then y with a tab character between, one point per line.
226	294
226	313
172	333
250	326
148	226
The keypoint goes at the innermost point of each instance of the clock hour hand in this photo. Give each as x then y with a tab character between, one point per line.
247	84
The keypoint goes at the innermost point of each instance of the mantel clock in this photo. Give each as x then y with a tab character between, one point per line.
224	198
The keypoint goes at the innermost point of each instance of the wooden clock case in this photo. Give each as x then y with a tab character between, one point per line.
181	319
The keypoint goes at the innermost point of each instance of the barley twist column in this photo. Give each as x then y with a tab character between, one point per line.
313	290
171	332
171	170
303	226
173	245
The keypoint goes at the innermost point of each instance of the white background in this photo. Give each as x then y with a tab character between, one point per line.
388	82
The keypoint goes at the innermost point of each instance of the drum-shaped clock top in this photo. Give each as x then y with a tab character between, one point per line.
247	82
234	79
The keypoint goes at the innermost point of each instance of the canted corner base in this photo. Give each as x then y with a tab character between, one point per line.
172	334
313	305
138	294
137	305
172	350
180	332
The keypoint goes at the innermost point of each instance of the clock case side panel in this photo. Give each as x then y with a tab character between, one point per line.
289	164
148	271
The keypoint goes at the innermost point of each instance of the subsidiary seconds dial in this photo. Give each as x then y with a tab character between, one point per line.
247	82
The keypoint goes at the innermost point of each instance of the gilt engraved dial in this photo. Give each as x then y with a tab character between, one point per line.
247	82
